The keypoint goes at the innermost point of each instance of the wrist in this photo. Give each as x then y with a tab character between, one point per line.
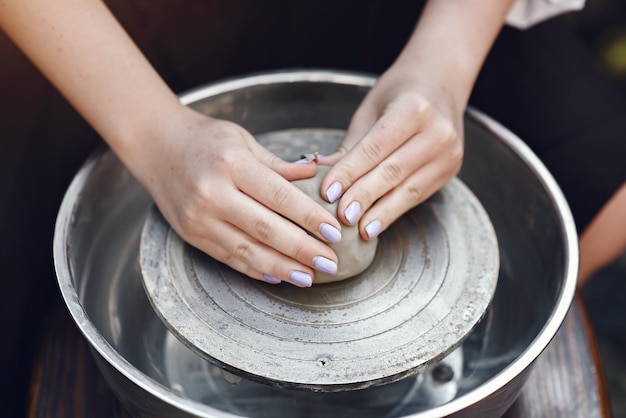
147	139
451	41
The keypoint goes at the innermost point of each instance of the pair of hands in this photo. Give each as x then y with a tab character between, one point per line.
219	189
231	198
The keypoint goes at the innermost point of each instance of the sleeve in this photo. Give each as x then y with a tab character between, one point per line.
525	13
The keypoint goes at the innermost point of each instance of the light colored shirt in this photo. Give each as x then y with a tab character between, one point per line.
525	13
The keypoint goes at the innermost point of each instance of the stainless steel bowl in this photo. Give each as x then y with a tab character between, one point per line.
96	256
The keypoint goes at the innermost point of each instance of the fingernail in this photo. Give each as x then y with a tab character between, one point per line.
271	279
333	191
307	158
301	278
373	228
352	212
325	265
331	233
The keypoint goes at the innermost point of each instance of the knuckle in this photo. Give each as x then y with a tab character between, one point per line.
456	156
344	173
391	172
280	196
448	134
230	160
417	105
410	102
262	227
311	219
450	144
198	199
372	151
414	194
342	150
243	251
190	212
298	252
453	133
228	259
234	263
453	149
224	159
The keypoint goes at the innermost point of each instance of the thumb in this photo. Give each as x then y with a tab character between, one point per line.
361	123
303	168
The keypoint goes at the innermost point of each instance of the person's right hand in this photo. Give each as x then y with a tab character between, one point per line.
225	194
216	186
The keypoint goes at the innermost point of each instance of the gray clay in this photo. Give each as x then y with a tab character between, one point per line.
355	254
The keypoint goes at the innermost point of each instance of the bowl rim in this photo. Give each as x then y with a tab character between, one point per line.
493	385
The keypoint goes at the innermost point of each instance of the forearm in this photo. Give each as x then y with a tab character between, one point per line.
452	40
80	47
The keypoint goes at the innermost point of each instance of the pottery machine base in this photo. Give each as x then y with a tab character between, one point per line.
431	282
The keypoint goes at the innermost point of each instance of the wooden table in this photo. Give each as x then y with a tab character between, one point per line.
567	379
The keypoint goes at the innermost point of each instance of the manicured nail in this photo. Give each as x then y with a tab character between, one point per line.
331	233
271	279
301	278
373	228
307	158
352	212
333	191
325	265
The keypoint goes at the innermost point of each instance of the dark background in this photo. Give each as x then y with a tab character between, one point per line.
43	142
602	25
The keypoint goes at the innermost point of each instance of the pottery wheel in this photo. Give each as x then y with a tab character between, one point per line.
431	281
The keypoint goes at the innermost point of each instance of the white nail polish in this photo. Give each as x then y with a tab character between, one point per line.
373	228
333	192
352	212
301	278
271	279
331	233
325	265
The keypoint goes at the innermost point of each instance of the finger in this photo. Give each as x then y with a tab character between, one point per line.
442	148
362	121
296	170
265	226
387	134
231	246
220	255
276	193
411	192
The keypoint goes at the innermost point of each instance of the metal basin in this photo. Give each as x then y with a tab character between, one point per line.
96	249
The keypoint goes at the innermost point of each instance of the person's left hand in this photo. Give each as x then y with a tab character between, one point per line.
404	142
